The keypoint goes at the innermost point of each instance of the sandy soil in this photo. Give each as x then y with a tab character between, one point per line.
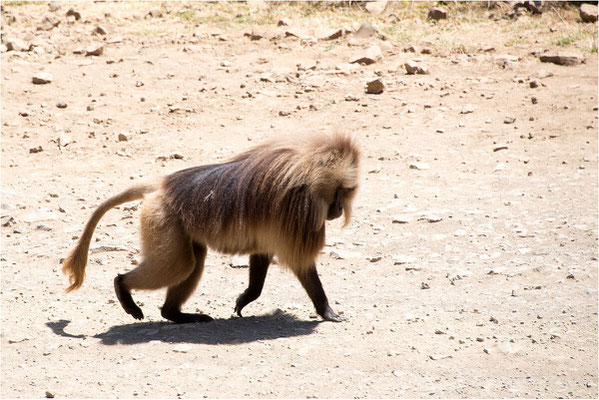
469	269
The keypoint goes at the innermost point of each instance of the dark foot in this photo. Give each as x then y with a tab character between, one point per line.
184	318
242	301
126	300
330	315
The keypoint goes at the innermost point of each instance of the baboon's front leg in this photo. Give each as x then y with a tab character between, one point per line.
258	268
311	282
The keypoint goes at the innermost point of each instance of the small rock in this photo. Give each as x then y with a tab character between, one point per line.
336	34
53	6
7	221
366	31
42	78
37	149
431	218
16	45
284	113
101	30
49	22
533	84
437	13
43	227
509	120
296	34
351	97
372	55
124	136
400	259
419	166
61	104
376	7
506	61
74	13
182	348
414	68
64	140
588	13
49	395
283	22
96	49
562	58
154	13
467	109
425	285
412	49
375	87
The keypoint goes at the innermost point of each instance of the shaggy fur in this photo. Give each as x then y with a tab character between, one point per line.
270	200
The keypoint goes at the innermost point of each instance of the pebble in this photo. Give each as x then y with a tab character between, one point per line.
42	78
424	285
182	348
37	149
154	13
400	259
467	109
284	22
101	30
351	97
588	12
509	120
366	31
562	58
431	218
49	22
437	13
400	220
335	34
375	87
372	55
376	7
61	104
414	68
96	49
419	166
124	136
13	44
73	13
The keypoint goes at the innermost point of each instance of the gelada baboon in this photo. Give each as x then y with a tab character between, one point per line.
271	200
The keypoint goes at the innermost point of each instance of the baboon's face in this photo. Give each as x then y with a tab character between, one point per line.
341	199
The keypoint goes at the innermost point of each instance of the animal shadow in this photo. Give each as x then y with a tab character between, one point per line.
220	331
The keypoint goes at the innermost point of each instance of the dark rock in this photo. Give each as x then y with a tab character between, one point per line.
375	87
74	13
437	13
588	13
561	58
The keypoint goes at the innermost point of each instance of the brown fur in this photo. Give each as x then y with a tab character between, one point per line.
271	200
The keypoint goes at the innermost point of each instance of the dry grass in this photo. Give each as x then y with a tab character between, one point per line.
403	21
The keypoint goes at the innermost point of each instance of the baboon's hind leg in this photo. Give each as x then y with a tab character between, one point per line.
125	298
177	295
163	266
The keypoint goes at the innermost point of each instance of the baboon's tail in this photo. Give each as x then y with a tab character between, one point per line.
74	265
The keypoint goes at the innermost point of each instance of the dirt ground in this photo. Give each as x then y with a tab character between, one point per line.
470	266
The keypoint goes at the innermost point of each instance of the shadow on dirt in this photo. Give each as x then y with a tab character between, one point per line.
220	331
